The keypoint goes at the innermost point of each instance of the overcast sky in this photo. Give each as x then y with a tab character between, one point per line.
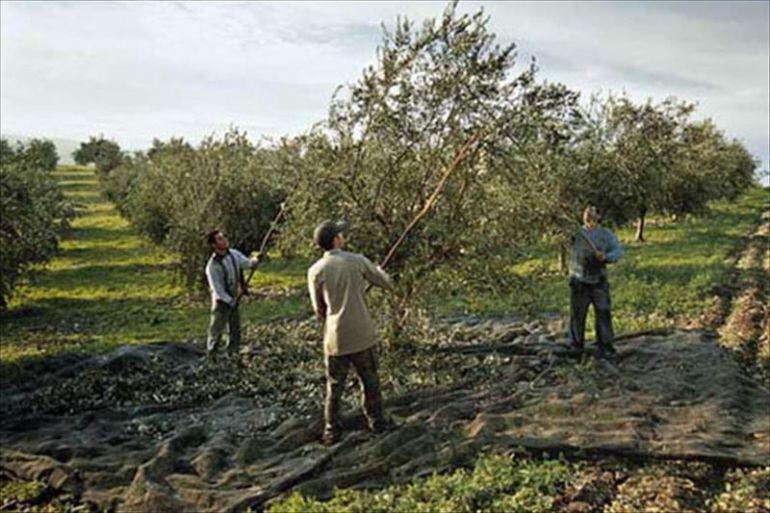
135	71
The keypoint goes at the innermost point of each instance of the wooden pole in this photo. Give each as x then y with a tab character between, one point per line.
263	249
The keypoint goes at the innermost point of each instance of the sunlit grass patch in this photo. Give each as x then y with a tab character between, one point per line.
656	284
108	286
496	484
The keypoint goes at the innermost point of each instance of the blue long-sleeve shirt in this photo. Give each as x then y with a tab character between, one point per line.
585	266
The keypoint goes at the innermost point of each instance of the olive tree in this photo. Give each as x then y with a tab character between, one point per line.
175	194
33	213
646	143
42	154
414	152
37	153
106	155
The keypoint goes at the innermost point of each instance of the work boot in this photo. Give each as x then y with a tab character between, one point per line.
606	351
575	349
330	437
383	426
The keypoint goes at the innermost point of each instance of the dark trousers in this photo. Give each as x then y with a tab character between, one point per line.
582	296
365	364
224	316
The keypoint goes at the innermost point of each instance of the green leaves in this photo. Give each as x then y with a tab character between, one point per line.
496	484
33	212
105	154
175	193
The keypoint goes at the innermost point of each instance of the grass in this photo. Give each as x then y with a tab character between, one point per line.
496	484
664	281
109	286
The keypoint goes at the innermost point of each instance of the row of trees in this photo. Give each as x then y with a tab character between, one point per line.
444	145
106	155
175	193
37	153
33	210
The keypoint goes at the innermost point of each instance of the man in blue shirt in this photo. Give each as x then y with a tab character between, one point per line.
593	248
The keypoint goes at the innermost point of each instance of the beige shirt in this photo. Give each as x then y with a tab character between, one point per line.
337	283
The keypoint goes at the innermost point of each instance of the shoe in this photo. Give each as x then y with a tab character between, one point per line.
606	352
383	426
330	437
576	349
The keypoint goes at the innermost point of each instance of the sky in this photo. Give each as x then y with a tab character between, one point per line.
135	71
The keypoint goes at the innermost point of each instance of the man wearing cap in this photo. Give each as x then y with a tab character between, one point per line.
224	272
593	248
337	283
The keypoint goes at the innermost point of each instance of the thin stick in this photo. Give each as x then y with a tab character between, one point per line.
589	241
263	248
431	202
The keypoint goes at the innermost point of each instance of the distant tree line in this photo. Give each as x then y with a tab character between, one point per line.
33	210
174	194
445	143
106	155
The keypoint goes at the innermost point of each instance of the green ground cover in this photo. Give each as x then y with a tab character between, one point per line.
663	281
108	286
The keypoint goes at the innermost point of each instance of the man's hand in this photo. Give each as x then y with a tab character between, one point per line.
601	256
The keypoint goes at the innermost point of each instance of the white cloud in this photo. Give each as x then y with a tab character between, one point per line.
140	70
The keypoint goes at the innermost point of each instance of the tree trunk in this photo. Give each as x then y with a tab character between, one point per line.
640	226
563	258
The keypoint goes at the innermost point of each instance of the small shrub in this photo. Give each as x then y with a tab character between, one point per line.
496	484
747	491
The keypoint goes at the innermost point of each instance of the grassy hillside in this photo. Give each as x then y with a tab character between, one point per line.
109	287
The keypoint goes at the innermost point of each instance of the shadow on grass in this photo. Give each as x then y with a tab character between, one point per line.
58	332
68	315
131	250
51	320
113	276
97	234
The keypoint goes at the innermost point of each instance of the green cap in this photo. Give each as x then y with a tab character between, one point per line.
326	231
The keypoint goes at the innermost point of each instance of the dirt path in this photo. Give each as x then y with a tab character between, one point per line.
746	331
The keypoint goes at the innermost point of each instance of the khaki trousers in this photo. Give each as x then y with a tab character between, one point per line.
224	316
